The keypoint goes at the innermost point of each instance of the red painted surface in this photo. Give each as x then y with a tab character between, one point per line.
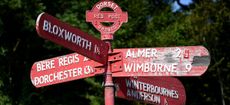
108	80
97	17
63	34
164	61
62	69
151	90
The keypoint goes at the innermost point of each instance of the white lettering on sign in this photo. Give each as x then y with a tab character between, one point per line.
88	70
149	88
45	65
106	4
61	69
149	60
63	75
98	16
67	35
150	67
139	95
114	16
67	60
107	29
145	53
86	59
178	52
96	50
188	67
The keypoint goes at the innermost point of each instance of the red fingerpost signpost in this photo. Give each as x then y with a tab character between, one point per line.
63	34
141	63
164	61
151	90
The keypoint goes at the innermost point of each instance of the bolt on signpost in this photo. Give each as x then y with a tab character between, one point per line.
96	16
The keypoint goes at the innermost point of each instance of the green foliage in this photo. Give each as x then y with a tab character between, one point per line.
4	98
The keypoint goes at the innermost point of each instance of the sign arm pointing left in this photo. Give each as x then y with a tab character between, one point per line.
51	28
63	69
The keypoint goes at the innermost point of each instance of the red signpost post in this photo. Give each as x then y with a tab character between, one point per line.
151	90
166	61
96	16
61	33
62	69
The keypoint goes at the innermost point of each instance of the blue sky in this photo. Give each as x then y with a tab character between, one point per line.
185	2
